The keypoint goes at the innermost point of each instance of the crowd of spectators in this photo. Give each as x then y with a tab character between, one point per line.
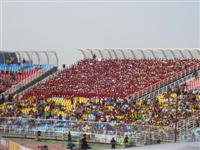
91	97
158	111
93	94
95	90
109	78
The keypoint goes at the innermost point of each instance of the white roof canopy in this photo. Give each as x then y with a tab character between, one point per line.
142	53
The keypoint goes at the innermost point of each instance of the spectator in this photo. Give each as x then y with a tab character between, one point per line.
126	141
113	143
84	144
69	136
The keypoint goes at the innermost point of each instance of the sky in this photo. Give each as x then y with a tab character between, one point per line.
67	25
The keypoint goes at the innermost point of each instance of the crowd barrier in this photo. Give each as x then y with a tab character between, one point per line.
100	132
189	129
96	131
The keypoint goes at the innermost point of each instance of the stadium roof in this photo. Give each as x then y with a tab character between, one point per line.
36	57
142	53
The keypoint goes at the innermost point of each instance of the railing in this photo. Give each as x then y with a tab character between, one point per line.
169	80
43	80
97	131
25	81
189	129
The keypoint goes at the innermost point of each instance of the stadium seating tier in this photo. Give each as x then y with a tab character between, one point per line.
109	78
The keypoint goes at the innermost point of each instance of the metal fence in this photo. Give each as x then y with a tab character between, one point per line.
189	129
102	132
97	131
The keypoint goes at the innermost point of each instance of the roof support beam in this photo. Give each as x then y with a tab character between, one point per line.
101	54
56	55
181	53
164	54
198	51
91	52
38	57
83	53
132	52
116	57
19	56
123	53
153	54
173	54
109	53
142	52
46	56
190	53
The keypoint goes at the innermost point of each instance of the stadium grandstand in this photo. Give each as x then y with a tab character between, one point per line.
149	95
17	69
